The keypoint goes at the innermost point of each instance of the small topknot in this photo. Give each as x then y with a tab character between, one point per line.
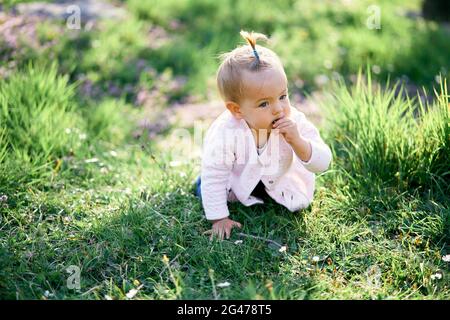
251	39
253	58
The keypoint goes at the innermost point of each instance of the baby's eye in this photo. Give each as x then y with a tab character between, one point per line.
264	104
284	96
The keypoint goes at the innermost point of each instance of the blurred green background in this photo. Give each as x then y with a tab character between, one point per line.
317	42
94	172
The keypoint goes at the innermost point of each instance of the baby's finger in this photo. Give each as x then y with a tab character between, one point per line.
218	232
207	232
237	224
284	121
280	121
227	232
285	125
215	233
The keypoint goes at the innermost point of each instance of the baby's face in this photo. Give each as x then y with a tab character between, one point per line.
265	98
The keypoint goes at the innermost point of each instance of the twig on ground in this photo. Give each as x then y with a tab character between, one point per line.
259	238
91	289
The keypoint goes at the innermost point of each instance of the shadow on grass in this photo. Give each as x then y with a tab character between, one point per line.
172	225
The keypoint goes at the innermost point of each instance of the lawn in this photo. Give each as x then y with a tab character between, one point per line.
96	180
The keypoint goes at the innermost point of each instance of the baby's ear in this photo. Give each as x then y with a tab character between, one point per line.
234	108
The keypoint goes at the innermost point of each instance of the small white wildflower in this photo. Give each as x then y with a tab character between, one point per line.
238	242
108	297
91	160
104	170
282	249
376	69
46	293
437	78
95	44
328	64
446	258
68	130
132	293
436	276
316	259
82	136
175	163
320	80
113	153
223	284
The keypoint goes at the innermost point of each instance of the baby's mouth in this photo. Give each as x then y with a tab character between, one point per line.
273	122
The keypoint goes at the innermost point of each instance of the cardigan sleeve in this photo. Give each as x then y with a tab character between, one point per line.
217	162
320	152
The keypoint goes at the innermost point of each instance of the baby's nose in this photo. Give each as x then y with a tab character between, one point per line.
277	110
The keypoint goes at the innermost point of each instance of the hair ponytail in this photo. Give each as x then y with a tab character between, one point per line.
251	58
251	39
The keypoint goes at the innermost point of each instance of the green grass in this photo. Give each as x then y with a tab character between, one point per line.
385	139
35	119
377	235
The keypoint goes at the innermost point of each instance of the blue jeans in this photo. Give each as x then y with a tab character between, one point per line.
198	191
259	190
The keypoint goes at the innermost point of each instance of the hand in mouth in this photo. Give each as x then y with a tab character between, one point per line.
273	122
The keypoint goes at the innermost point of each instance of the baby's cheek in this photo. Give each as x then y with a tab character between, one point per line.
287	110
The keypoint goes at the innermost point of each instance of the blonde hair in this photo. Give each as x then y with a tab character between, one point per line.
251	57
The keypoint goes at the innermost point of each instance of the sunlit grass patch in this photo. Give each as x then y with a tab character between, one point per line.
383	139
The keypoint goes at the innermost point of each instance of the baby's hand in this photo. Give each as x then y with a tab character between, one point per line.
288	128
222	227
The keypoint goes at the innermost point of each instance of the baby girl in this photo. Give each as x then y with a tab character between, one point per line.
261	146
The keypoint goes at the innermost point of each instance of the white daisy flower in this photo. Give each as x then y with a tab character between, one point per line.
223	284
436	276
132	293
93	160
